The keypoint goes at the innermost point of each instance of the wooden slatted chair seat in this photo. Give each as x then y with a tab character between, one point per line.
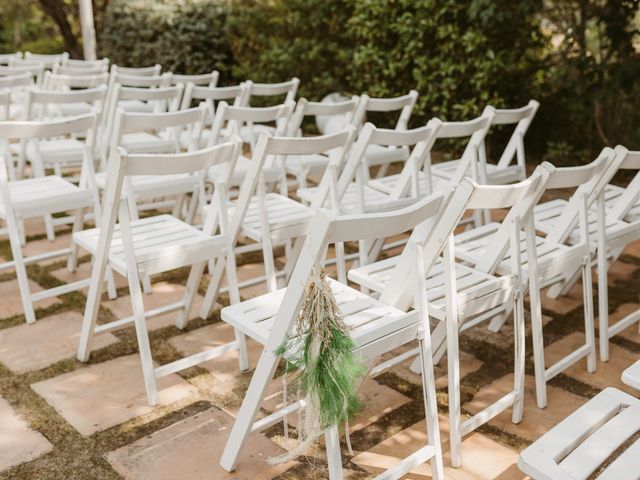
477	292
579	445
33	197
631	375
285	217
368	318
161	243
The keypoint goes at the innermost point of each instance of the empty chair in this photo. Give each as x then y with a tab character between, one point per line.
341	114
211	95
272	219
230	120
154	100
152	70
156	244
131	130
85	64
48	60
556	264
43	196
58	81
73	71
505	170
376	326
16	87
64	152
135	80
463	295
579	447
36	72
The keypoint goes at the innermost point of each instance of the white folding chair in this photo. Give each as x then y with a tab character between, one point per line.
381	155
580	446
161	243
504	171
65	152
48	60
196	94
376	327
81	71
230	120
341	114
85	64
612	226
61	81
150	71
35	71
204	79
43	196
462	296
273	219
249	132
555	263
131	131
117	76
155	101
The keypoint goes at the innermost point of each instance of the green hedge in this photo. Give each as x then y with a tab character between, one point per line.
185	37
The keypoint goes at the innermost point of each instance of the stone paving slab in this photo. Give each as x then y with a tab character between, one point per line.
163	293
106	394
608	374
18	442
191	449
11	302
561	404
82	272
35	247
224	367
26	348
632	332
482	458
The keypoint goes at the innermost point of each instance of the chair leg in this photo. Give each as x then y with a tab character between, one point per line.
234	296
212	290
250	405
48	225
334	458
269	265
589	323
22	232
189	294
112	292
519	358
21	274
603	305
142	336
78	221
454	392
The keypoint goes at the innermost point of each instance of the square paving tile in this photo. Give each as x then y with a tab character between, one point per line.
82	272
608	373
632	332
11	302
201	339
163	293
25	348
191	450
561	404
35	247
106	394
482	458
18	442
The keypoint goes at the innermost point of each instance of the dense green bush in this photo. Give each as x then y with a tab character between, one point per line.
276	40
185	37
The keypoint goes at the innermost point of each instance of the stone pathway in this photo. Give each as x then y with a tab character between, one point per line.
62	419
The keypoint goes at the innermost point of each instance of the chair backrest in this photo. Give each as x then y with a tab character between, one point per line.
235	95
153	70
49	60
97	69
82	126
268	146
16	82
190	120
205	79
41	104
234	117
59	81
36	72
343	112
403	104
288	88
589	181
163	99
85	64
5	58
631	194
434	234
521	118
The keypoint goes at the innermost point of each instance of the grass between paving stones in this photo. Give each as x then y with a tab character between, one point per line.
78	457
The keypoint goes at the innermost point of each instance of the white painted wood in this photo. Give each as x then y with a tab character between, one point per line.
41	196
576	447
134	248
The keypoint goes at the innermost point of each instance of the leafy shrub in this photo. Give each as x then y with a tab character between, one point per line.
185	37
273	41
